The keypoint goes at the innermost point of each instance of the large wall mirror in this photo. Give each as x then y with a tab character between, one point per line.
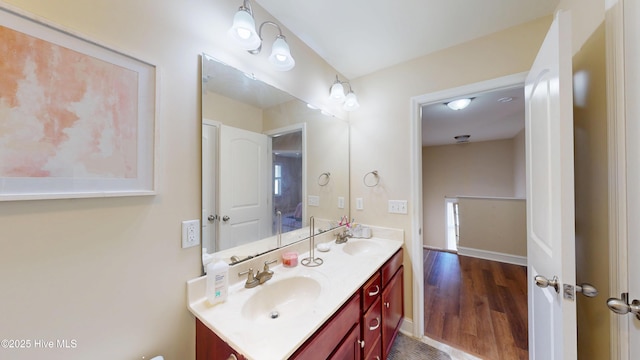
269	163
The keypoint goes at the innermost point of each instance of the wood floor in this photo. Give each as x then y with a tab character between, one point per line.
476	305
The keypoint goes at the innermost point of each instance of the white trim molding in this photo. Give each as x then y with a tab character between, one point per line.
415	245
615	67
493	256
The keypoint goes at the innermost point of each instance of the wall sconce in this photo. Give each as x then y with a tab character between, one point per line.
243	31
336	92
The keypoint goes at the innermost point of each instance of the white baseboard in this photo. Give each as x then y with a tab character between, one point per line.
492	255
407	327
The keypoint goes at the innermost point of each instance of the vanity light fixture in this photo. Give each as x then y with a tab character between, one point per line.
459	104
243	31
336	92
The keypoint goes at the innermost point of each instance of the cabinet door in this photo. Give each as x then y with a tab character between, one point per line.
210	347
392	310
332	333
349	349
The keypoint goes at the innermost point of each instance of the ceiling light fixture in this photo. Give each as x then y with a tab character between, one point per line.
459	104
462	138
243	31
336	92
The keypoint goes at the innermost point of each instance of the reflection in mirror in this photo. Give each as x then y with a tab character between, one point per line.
269	162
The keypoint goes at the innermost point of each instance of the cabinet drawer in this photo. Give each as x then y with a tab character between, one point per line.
375	353
372	326
371	291
391	266
325	340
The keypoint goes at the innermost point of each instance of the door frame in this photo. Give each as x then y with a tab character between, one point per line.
415	245
302	127
617	125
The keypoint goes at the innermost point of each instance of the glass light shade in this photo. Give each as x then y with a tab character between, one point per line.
337	91
351	102
243	30
281	56
459	104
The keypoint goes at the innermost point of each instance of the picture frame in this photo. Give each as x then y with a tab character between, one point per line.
77	118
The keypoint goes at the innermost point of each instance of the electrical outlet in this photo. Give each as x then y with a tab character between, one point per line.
190	233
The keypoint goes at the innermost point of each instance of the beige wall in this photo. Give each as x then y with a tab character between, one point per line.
110	273
472	169
494	225
519	166
231	112
592	200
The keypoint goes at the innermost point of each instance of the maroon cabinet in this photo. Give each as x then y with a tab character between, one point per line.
392	310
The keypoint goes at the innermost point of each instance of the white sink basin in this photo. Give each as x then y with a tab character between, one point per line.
360	247
282	299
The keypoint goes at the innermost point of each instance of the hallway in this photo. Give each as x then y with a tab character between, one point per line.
476	305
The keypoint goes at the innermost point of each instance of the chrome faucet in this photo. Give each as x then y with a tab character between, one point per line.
343	237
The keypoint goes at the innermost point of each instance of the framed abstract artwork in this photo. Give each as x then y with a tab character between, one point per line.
77	119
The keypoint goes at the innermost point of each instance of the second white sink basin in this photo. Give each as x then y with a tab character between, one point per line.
360	247
282	299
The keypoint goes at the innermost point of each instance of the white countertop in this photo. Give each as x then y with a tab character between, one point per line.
340	276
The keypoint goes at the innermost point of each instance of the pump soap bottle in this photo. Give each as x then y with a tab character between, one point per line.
217	282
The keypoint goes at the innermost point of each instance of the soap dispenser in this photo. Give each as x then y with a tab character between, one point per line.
217	282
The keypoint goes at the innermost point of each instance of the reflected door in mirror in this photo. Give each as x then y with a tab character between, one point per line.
244	202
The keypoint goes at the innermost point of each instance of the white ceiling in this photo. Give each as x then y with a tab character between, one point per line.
485	119
359	37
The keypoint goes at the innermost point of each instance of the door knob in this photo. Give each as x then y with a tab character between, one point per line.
543	282
621	305
587	290
225	218
212	217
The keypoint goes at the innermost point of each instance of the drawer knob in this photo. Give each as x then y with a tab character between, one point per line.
386	304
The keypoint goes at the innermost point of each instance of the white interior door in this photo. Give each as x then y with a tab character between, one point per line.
550	195
244	175
632	94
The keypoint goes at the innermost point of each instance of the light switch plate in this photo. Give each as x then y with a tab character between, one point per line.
397	206
359	204
190	233
313	200
340	202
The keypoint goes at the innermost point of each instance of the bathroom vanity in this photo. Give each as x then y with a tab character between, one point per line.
350	307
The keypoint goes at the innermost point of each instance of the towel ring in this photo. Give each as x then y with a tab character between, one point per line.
373	183
324	178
